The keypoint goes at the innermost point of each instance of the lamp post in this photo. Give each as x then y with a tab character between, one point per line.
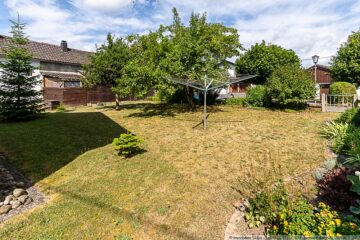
315	59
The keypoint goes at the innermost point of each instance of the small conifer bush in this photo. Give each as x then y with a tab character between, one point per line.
127	145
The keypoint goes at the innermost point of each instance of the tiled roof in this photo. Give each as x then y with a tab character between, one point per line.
65	76
321	66
49	52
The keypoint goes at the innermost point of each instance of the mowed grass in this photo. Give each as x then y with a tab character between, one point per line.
182	187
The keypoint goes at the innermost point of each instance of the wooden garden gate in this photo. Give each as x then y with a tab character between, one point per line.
338	103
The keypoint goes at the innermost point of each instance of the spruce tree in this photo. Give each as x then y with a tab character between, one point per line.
19	100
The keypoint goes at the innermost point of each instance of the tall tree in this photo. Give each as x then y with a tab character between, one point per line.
346	63
193	51
262	59
106	65
133	65
19	99
142	69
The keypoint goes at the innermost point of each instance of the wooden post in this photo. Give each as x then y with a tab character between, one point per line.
355	100
323	102
117	106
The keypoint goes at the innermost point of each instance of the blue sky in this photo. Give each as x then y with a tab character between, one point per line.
307	27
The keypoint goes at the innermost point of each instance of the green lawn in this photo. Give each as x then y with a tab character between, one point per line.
181	187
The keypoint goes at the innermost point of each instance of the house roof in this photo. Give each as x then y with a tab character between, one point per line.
49	53
319	66
65	76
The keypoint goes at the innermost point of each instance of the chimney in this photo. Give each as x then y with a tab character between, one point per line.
64	46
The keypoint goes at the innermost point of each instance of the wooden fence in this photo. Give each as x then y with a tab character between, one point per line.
79	96
338	103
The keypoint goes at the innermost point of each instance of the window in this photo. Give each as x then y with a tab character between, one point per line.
72	84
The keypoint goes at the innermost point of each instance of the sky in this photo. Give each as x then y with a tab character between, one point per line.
307	27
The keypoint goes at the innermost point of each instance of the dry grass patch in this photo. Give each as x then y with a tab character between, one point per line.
182	187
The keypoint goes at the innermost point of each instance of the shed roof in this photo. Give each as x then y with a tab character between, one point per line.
49	53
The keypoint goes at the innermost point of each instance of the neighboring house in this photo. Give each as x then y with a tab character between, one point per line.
59	68
236	89
323	79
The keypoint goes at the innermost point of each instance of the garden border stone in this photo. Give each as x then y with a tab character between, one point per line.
34	196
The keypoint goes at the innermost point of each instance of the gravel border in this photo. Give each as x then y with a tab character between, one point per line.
37	196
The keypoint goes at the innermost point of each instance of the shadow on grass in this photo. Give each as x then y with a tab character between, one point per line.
40	147
164	109
153	110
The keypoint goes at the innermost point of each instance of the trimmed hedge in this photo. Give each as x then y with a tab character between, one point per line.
343	88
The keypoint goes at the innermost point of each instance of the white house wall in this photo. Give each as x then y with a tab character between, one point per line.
36	72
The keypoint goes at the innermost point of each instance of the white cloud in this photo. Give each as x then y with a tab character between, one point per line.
307	27
49	22
107	5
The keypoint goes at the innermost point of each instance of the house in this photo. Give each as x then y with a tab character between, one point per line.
237	89
323	79
59	68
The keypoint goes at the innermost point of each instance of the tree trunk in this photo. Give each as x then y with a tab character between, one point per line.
189	97
117	99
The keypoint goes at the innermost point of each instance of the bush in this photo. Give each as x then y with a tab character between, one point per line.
342	88
353	160
61	108
344	137
298	217
334	189
289	86
301	218
235	101
353	141
127	144
355	187
340	135
257	96
351	116
265	203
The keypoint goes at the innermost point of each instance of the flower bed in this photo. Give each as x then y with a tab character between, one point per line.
336	210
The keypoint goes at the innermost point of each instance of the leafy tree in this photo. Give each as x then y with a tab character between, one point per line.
346	63
290	85
141	72
19	99
193	51
106	65
262	59
137	63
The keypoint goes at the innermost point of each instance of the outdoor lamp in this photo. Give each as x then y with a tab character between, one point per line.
315	59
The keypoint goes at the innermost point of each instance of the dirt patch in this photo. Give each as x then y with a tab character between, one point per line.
17	193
